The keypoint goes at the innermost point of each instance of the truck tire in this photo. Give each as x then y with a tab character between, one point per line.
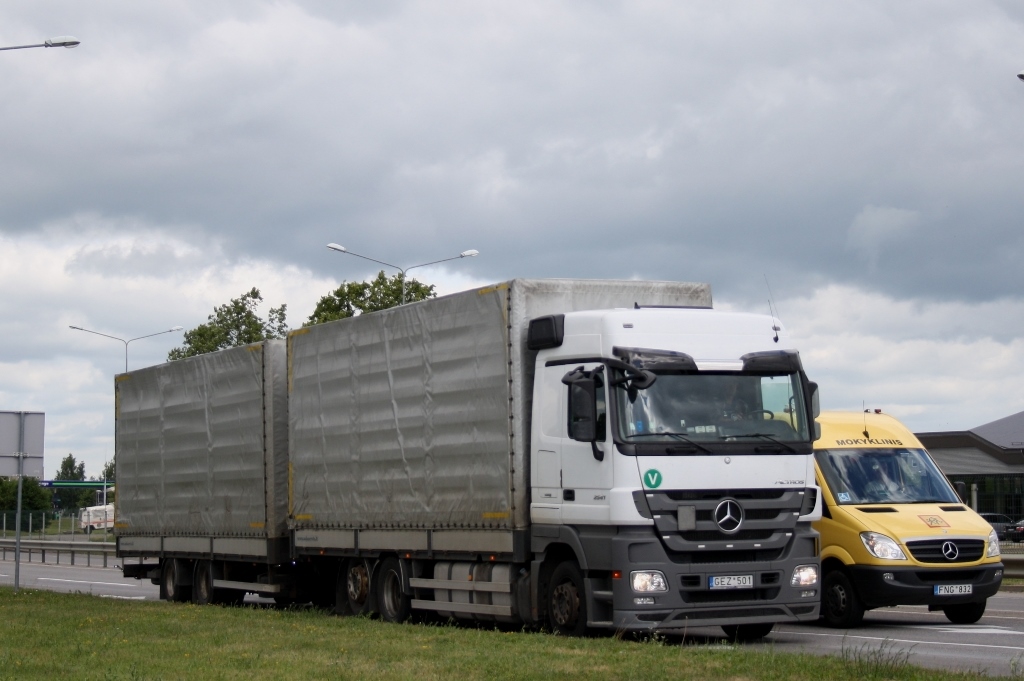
357	586
203	592
841	607
567	601
169	582
745	633
394	604
965	613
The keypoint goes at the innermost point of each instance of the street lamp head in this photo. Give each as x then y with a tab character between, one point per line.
471	253
1021	75
76	328
176	328
337	247
67	41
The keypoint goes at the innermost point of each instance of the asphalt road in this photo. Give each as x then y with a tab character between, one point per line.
994	645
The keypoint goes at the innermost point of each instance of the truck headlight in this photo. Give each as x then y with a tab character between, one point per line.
804	575
648	580
880	546
993	544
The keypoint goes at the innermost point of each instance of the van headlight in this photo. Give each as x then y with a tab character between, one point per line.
880	546
648	580
804	575
993	544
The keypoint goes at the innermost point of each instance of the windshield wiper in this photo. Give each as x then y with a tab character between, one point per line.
678	436
766	436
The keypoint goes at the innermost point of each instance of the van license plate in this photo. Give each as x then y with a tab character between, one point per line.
953	589
731	582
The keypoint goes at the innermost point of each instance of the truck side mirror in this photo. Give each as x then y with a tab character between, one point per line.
961	490
815	402
583	410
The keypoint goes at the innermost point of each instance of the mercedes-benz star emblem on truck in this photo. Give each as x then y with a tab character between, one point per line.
729	516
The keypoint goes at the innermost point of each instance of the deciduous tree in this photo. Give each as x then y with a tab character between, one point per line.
359	297
232	324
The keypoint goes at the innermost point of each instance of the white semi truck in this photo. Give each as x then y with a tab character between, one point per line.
577	454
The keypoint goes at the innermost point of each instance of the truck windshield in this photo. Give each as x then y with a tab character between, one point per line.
883	476
714	407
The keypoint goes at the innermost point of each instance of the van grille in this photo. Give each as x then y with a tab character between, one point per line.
930	550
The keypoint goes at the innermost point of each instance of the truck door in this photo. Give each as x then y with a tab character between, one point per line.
586	478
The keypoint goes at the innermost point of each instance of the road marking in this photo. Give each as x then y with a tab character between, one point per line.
900	640
124	598
963	630
80	581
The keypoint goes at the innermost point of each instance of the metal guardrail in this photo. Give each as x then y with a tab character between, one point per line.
40	548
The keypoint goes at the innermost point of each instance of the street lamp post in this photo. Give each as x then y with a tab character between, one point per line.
126	342
471	253
67	41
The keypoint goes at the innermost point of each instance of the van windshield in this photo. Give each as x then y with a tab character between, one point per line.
713	408
884	476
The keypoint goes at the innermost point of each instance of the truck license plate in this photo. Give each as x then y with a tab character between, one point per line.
953	589
731	582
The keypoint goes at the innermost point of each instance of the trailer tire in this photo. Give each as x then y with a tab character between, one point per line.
395	605
567	601
745	633
965	613
357	586
841	607
172	590
203	591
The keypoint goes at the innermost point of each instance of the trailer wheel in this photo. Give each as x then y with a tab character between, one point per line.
395	605
965	613
203	592
840	606
357	586
567	603
745	633
169	581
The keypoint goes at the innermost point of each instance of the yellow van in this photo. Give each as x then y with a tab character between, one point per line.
893	530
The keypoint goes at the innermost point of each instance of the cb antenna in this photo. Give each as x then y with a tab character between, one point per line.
863	405
775	327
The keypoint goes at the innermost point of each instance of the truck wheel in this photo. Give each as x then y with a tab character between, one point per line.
395	605
840	606
965	613
745	633
357	586
567	602
202	583
172	590
89	529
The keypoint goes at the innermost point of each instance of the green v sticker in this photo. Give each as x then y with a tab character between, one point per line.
652	478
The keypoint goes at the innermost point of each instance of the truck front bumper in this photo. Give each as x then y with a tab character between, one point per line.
881	587
691	602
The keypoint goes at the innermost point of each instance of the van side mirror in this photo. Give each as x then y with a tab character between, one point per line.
583	410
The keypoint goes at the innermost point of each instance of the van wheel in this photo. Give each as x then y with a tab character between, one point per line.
395	605
89	529
745	633
567	602
965	613
840	606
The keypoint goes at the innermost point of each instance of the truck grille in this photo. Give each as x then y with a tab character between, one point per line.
931	550
769	519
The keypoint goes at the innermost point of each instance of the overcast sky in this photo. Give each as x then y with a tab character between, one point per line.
863	157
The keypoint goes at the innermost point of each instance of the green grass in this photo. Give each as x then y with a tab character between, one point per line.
45	635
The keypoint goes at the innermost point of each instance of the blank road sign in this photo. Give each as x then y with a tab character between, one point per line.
10	425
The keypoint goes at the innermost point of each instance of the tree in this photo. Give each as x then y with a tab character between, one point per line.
232	324
34	498
109	470
71	498
353	298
